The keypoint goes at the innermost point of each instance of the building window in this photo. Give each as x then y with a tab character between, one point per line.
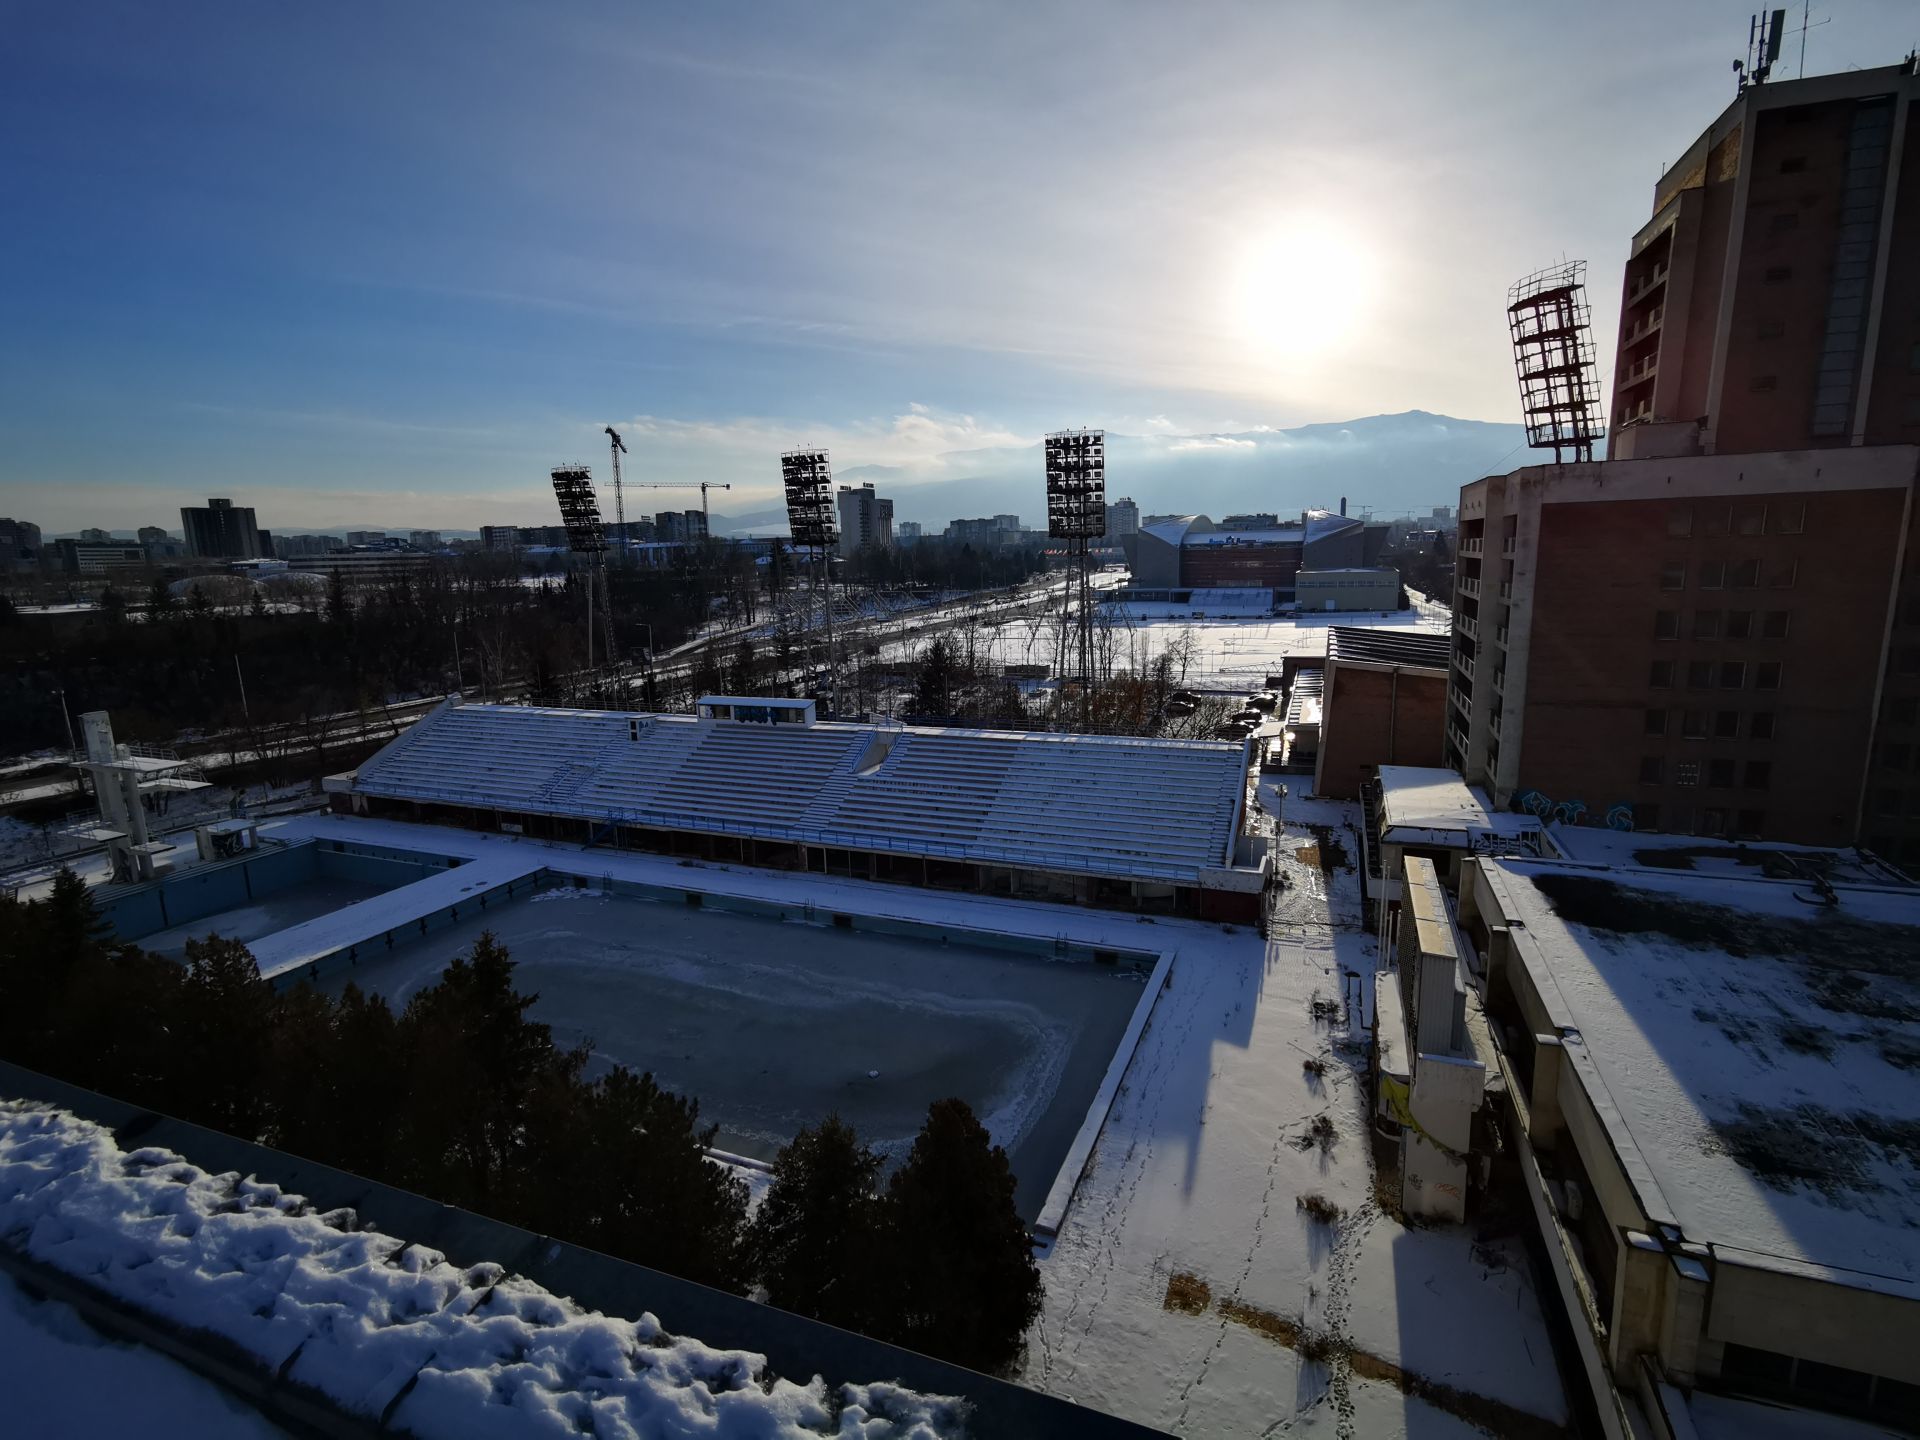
1907	662
1713	574
1646	817
1713	821
1693	725
1761	384
1750	520
1687	772
1719	519
1739	624
1782	574
1886	801
1673	575
1779	274
1726	724
1771	330
1652	769
1774	625
1766	675
1789	517
1733	674
1896	754
1660	675
1666	624
1752	822
1655	722
1700	674
1680	521
1744	575
1760	725
1903	711
1720	774
1706	624
1759	774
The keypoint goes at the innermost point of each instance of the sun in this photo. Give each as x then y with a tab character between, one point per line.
1303	288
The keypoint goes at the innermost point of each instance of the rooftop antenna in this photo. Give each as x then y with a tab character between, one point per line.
1764	33
619	499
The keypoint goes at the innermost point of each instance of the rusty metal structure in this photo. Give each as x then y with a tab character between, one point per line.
1553	358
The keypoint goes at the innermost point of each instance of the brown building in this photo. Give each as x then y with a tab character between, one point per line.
1773	300
1696	642
1383	702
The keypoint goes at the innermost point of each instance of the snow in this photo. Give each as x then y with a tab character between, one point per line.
63	1380
1420	805
375	1323
1708	1060
1716	1417
1590	844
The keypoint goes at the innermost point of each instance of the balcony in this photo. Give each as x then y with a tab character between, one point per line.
1468	585
1469	626
1506	590
1500	680
1648	284
1646	326
1507	544
1464	663
1500	637
1493	721
1470	545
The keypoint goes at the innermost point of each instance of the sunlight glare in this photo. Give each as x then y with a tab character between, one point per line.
1303	288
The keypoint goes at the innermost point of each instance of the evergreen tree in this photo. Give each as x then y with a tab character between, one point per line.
161	604
962	1282
198	605
258	609
933	692
339	602
813	1240
225	1039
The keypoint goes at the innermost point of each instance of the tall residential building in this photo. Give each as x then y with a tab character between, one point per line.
906	532
19	539
1773	300
151	535
424	539
94	535
866	519
500	537
1695	643
680	526
1123	518
366	537
221	530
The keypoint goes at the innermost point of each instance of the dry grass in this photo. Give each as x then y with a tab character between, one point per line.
1320	1208
1187	1294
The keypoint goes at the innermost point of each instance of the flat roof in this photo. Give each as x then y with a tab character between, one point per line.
1697	855
1434	806
1751	1047
1372	645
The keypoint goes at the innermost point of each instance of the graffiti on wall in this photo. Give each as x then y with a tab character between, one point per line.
1570	812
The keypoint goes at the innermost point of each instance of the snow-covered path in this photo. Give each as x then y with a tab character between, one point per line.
1193	1283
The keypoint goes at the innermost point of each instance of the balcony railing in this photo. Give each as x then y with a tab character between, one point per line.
1469	627
1470	545
1468	585
1500	637
1465	662
1508	543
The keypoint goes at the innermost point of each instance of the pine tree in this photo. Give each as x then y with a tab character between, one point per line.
160	602
225	1040
933	693
962	1282
812	1243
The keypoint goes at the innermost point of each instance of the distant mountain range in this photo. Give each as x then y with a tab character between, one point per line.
1389	464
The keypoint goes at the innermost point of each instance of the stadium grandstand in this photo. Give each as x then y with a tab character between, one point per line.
1114	821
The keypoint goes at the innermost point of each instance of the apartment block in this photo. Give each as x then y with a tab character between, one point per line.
1694	644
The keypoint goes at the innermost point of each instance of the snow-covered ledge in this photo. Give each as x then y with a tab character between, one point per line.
388	1332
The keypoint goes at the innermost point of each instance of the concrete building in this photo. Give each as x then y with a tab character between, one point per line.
1256	553
985	531
220	530
1692	644
1705	1098
907	532
151	535
866	519
288	547
365	539
1772	302
1358	588
1382	701
424	539
1123	519
500	537
94	535
19	540
674	527
362	565
91	557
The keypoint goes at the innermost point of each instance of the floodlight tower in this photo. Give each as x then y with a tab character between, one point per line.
619	497
813	522
586	535
1077	514
1553	357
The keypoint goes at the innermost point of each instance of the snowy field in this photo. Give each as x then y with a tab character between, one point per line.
267	915
772	1025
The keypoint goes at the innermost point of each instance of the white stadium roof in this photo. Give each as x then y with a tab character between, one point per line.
1163	810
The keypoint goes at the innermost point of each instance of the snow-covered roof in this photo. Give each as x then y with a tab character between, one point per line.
1432	806
1776	859
1750	1045
1173	530
1165	810
1280	535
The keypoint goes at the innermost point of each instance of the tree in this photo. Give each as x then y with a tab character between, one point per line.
198	605
161	604
813	1241
113	606
339	602
933	689
962	1282
258	608
225	1037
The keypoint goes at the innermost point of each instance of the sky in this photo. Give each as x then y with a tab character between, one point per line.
387	264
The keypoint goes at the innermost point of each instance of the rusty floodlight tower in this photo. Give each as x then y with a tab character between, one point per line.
586	535
1552	331
815	524
1077	514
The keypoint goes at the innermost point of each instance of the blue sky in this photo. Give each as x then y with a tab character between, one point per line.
387	263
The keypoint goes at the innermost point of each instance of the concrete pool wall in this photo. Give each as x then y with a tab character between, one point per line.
209	890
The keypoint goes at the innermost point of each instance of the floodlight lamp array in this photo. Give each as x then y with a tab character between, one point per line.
579	509
1076	484
811	517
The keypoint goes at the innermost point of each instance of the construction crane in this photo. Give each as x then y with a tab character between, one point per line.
619	500
702	485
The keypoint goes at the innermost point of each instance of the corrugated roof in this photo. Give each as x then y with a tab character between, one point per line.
1118	806
1388	647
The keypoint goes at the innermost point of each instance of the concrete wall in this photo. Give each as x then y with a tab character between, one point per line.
1377	589
1377	715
